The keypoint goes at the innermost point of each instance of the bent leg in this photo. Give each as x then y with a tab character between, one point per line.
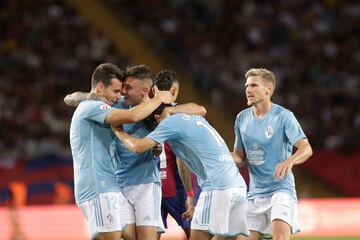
187	232
280	229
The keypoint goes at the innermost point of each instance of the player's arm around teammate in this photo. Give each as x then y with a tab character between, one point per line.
93	117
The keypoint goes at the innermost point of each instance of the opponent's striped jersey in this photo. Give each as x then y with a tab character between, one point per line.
170	178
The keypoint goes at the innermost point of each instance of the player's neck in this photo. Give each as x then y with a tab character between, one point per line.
261	109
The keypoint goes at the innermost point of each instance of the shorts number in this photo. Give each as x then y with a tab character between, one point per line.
111	201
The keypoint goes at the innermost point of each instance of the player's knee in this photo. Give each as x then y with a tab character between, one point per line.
280	235
146	232
108	236
128	233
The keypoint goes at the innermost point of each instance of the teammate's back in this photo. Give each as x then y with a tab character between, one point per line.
195	141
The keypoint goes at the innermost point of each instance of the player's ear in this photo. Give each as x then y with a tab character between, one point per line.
270	89
152	92
174	91
157	118
99	87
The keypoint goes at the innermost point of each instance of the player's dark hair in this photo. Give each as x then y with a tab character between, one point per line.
150	121
141	72
104	73
165	79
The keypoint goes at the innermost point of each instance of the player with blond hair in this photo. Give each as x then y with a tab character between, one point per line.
265	134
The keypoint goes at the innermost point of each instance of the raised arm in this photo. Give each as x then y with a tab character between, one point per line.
239	157
136	145
302	153
188	108
74	99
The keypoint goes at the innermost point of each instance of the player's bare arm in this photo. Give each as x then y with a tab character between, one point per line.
188	108
239	157
74	99
139	112
136	145
302	153
185	175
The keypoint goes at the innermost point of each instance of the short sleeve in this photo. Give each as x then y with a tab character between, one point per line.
292	128
168	129
97	111
238	141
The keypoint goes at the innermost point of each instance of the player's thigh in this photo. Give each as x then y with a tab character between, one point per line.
258	213
196	234
223	238
201	218
102	212
284	214
146	232
108	236
127	214
280	230
146	199
228	212
254	235
129	232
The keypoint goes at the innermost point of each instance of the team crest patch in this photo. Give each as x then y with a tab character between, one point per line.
269	132
110	218
104	107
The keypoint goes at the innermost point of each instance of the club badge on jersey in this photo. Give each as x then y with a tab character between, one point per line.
104	107
269	132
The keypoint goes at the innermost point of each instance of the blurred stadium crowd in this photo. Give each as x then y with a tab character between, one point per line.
311	46
47	50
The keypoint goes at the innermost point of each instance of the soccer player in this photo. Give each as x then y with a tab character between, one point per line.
97	193
220	210
177	191
265	135
138	174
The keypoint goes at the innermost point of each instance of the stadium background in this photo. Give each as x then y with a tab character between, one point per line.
50	48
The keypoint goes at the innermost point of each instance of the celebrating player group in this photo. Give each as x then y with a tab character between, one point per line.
136	153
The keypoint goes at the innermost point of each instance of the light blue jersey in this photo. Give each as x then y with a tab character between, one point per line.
267	142
201	147
89	139
132	168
